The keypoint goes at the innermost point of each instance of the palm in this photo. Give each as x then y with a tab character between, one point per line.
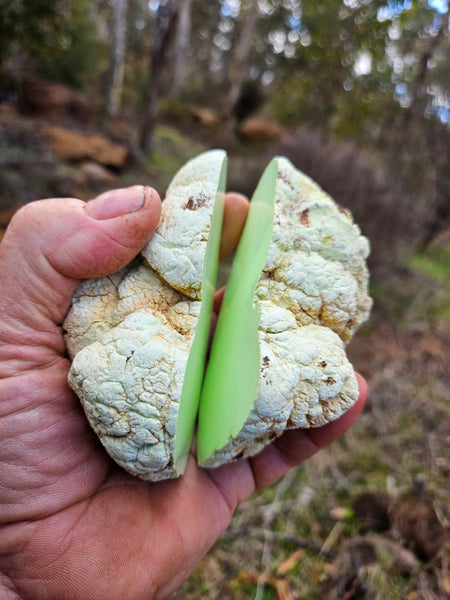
65	463
73	525
85	516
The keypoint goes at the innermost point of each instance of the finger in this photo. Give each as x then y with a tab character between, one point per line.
234	216
237	481
51	244
218	299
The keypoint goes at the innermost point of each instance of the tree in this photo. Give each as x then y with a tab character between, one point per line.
424	62
53	39
335	67
32	24
181	48
77	56
238	66
117	68
166	19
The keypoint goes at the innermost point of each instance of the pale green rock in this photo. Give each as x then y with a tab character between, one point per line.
296	294
138	344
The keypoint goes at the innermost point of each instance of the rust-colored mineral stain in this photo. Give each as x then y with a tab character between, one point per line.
194	203
345	211
304	218
286	180
265	364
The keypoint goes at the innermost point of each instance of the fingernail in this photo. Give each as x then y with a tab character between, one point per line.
116	203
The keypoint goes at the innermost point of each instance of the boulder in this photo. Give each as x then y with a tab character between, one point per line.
205	116
55	101
97	175
262	129
69	145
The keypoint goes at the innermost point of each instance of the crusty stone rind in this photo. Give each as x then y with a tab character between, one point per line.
129	377
90	314
316	265
178	247
130	334
306	381
100	304
312	296
130	384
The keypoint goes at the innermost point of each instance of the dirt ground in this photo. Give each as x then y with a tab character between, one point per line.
368	517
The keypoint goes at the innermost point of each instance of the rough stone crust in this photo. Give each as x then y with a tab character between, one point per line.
316	266
312	296
130	385
130	334
306	381
177	249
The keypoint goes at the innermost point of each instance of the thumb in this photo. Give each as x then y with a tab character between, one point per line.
51	244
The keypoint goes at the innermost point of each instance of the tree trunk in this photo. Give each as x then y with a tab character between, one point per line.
424	62
236	69
166	20
181	49
118	58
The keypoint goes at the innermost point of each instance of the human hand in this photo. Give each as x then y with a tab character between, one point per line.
72	524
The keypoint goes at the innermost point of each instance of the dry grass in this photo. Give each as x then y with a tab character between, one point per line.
302	538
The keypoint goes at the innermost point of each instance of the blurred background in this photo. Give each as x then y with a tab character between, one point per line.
96	94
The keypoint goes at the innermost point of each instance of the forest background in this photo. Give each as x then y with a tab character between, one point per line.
107	93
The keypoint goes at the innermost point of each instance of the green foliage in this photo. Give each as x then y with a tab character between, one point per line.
77	56
341	71
434	263
347	68
57	38
355	65
33	24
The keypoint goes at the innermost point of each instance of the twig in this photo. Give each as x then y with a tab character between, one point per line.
277	536
281	488
331	539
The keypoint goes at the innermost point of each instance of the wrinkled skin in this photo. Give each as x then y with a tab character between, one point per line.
72	525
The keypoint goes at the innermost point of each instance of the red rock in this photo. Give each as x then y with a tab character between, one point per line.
69	145
97	175
205	116
54	100
262	129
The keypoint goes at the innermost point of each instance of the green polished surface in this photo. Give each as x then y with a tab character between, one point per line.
196	362
232	376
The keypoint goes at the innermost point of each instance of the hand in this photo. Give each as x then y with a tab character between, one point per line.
73	525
